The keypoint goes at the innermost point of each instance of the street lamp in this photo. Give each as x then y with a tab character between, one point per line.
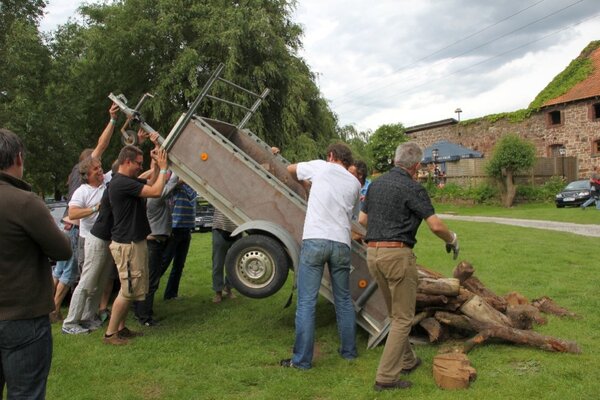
563	152
458	111
434	154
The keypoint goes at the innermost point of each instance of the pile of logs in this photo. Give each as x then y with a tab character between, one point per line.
463	306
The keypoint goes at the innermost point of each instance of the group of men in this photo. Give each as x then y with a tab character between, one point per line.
392	209
117	223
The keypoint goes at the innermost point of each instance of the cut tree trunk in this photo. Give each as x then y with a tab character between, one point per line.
479	310
530	338
434	330
463	271
547	305
453	371
443	286
430	300
523	316
456	321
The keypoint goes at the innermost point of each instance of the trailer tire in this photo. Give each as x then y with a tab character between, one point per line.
257	266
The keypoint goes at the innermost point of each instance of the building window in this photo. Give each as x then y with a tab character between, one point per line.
554	118
596	147
595	111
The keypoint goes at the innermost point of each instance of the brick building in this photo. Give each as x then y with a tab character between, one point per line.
570	121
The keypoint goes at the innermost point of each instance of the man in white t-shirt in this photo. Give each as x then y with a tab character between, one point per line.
334	194
84	205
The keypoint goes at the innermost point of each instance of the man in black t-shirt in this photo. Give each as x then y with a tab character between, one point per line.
130	227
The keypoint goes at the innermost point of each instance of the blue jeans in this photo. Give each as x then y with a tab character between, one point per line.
67	272
176	250
313	256
25	357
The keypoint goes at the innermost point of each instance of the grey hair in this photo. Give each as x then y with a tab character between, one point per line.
407	155
10	147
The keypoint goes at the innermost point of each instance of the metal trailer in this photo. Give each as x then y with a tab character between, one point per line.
238	173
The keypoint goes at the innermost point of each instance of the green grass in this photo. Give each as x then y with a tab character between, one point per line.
542	211
231	350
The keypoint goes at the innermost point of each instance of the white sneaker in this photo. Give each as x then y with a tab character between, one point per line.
74	330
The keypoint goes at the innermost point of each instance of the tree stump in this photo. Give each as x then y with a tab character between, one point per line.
453	371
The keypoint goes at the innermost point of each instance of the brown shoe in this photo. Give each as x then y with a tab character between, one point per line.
127	333
115	340
218	298
399	384
228	293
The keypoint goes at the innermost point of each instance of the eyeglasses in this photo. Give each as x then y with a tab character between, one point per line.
139	163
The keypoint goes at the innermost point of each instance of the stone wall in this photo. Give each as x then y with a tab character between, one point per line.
578	132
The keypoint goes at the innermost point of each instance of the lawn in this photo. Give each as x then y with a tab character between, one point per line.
231	350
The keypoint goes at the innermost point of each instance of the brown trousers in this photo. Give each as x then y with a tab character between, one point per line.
395	270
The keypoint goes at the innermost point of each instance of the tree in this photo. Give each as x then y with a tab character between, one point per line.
511	155
382	145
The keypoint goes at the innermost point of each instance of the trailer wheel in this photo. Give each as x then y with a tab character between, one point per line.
257	266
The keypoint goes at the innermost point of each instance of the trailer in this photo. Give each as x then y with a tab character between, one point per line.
238	173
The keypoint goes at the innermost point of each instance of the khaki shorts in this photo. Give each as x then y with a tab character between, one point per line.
132	263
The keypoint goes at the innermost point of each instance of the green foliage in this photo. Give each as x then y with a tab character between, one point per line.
382	145
511	153
541	193
483	193
578	70
514	116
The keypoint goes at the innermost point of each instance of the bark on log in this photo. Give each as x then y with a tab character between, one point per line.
430	300
478	309
515	299
428	273
523	316
421	316
433	328
474	285
463	271
456	321
547	305
519	336
442	286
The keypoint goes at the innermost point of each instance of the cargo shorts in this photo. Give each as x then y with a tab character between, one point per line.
132	264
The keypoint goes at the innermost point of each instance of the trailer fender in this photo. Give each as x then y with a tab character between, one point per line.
261	226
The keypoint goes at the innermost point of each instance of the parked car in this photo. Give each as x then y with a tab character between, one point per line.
204	216
57	209
574	194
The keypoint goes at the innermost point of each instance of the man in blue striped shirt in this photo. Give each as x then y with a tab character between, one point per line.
184	215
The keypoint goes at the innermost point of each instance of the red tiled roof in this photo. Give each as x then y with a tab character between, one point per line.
590	87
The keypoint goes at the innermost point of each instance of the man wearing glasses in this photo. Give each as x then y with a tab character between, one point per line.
129	232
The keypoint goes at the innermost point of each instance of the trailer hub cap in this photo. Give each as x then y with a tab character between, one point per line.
256	268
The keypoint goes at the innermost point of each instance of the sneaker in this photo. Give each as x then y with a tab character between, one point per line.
287	363
75	330
150	322
399	384
115	340
128	334
407	371
92	325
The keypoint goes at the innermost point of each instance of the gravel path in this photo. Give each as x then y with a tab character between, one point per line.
578	229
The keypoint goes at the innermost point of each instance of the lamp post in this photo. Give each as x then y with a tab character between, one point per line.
563	152
434	154
458	111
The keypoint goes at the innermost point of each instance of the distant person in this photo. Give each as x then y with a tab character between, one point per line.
595	190
28	237
325	240
178	245
127	196
221	243
394	208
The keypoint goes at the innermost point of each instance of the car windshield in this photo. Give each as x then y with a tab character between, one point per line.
578	185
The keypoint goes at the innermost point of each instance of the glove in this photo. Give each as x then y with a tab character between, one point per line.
453	245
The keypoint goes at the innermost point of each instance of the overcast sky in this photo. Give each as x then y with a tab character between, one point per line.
417	61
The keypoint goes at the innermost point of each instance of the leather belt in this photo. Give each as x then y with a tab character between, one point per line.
388	245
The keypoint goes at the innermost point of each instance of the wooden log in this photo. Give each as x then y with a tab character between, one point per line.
463	271
421	316
523	316
515	299
439	286
474	285
428	273
433	328
455	321
453	371
430	300
478	309
519	336
547	305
